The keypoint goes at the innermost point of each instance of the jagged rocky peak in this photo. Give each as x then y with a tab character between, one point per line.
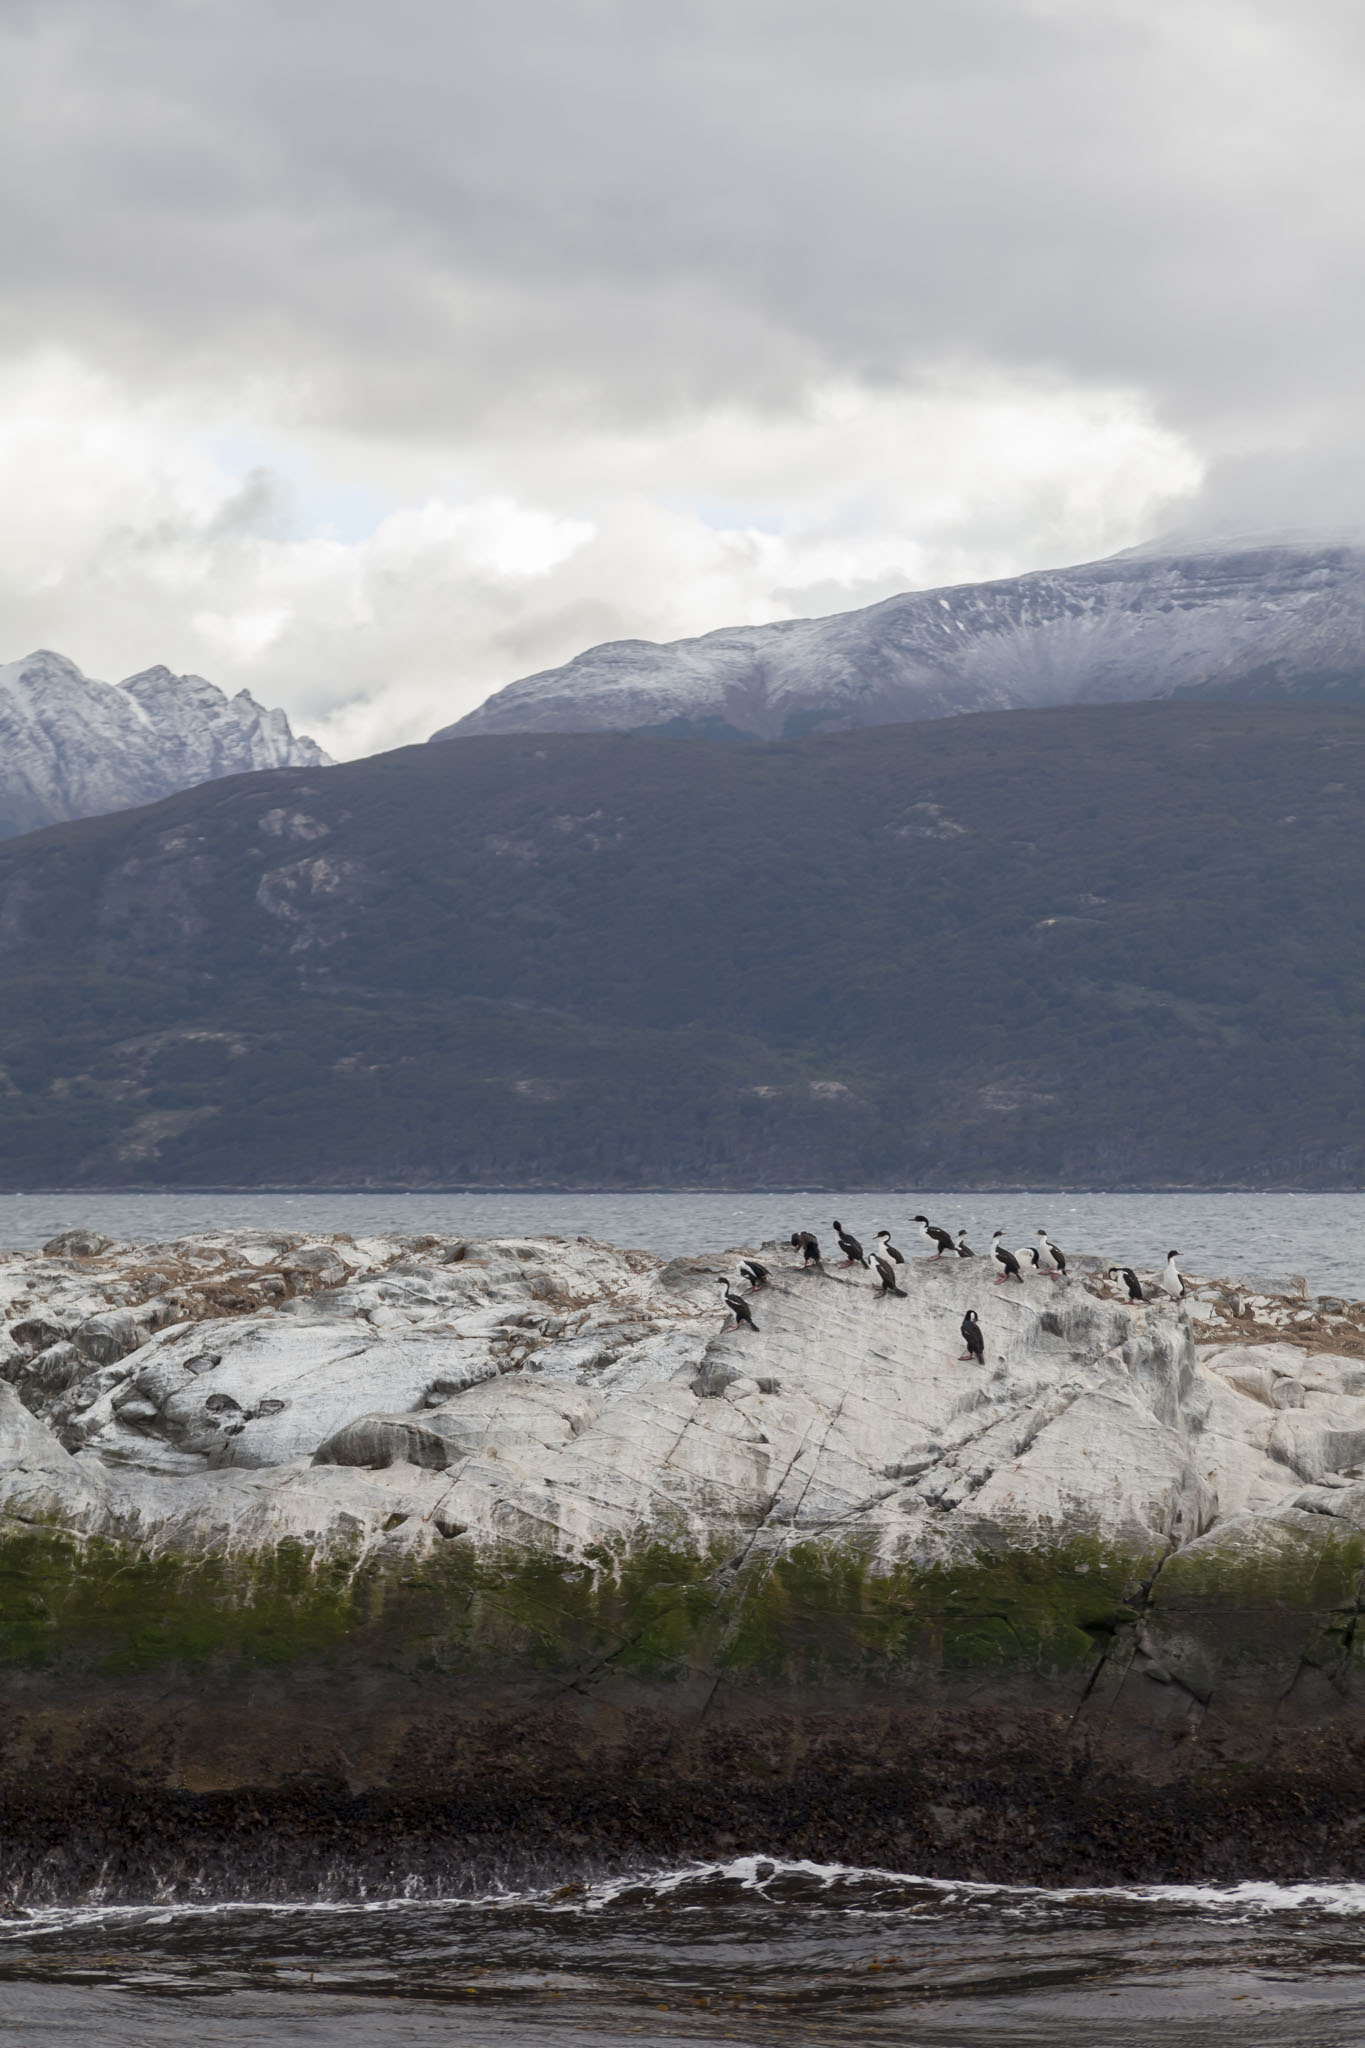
1245	617
73	747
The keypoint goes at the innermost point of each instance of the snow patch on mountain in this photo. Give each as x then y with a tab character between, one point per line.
1274	617
73	747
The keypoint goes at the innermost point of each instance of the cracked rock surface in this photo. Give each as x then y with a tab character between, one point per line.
560	1395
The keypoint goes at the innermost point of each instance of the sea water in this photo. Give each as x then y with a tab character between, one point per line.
1321	1237
754	1951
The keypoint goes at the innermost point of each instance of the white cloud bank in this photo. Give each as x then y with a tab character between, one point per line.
373	356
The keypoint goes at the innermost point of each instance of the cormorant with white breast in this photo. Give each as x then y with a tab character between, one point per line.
753	1272
808	1246
1169	1281
886	1273
854	1255
931	1234
1130	1281
888	1249
738	1306
972	1337
1008	1264
1049	1259
964	1250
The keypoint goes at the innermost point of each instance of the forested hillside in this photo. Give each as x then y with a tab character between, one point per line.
1108	946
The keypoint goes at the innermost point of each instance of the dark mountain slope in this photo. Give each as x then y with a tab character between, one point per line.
1117	945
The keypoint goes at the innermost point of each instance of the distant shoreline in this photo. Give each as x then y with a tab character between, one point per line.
629	1194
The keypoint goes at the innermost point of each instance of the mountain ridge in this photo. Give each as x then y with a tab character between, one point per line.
1278	617
72	746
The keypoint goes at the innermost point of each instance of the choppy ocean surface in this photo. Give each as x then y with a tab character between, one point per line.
751	1951
1319	1236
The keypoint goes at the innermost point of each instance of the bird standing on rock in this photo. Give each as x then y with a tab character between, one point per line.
887	1274
1169	1281
808	1246
1009	1265
753	1272
854	1255
964	1250
738	1306
972	1337
931	1234
1130	1281
1049	1258
888	1249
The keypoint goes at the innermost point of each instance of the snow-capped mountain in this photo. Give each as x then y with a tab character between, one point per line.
1277	617
71	747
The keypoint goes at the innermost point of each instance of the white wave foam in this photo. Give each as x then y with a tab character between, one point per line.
754	1873
759	1873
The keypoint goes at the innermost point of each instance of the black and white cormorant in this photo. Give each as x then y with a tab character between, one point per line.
886	1273
738	1306
888	1249
1169	1281
753	1272
964	1250
808	1246
931	1234
1008	1264
854	1255
1050	1258
1130	1281
972	1337
1059	1255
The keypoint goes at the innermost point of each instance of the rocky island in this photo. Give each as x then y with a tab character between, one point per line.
402	1562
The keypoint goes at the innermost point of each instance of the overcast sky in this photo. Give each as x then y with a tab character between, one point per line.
375	353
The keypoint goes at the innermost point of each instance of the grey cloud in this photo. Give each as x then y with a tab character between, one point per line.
588	204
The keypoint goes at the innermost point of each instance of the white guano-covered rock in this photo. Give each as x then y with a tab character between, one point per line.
397	1393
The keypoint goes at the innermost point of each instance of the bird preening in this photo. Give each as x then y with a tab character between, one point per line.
808	1246
738	1306
854	1255
886	1273
1130	1281
753	1272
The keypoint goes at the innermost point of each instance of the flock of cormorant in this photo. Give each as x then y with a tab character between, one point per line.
1043	1257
